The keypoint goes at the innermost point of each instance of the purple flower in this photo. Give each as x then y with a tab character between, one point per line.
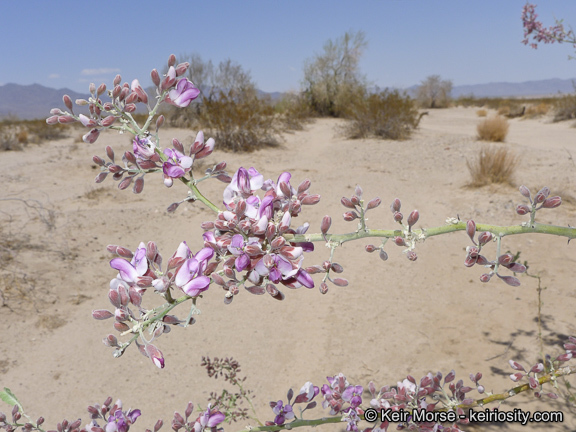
353	394
184	93
208	419
237	248
120	421
283	412
190	277
143	147
307	393
244	183
177	164
131	271
276	267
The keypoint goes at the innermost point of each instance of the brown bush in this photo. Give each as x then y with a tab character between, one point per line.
293	111
482	113
537	110
494	164
388	114
493	129
239	122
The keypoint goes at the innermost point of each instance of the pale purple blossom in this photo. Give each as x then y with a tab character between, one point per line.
283	412
190	277
244	183
184	93
237	248
307	393
177	164
209	419
120	421
353	395
131	271
143	147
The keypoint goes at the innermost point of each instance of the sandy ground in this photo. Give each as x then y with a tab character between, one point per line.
395	318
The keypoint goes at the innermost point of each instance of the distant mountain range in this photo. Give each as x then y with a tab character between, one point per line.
35	101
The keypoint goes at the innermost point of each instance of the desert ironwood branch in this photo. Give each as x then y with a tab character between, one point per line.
499	231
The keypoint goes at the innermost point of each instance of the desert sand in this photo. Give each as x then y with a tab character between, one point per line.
395	317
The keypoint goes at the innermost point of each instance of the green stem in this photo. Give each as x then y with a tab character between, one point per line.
500	231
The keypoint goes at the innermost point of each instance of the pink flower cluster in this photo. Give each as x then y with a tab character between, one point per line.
248	236
539	33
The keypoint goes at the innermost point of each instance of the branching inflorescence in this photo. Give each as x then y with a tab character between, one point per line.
253	244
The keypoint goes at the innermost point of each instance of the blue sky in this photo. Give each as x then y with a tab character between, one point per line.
72	43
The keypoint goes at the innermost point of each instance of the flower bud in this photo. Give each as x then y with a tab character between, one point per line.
485	277
510	280
383	255
310	200
304	186
553	202
101	314
171	60
207	149
399	241
370	248
66	119
347	203
52	120
373	203
395	206
130	108
101	89
159	122
138	185
132	97
484	237
398	217
340	282
67	101
155	77
355	200
326	223
100	177
81	102
91	137
350	216
413	218
411	255
155	355
117	79
337	268
124	93
541	195
323	288
182	68
92	88
522	209
358	191
56	111
108	121
116	92
471	230
505	259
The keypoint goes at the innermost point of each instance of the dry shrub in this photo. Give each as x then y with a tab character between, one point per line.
9	140
493	129
537	110
239	122
504	110
44	132
388	114
22	137
565	108
293	112
494	164
482	113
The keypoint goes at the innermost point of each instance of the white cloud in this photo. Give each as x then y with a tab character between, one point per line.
53	76
99	71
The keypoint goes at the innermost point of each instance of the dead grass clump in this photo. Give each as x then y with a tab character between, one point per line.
504	110
493	129
9	140
494	164
482	113
388	114
293	112
45	132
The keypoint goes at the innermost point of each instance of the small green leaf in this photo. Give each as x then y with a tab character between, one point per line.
8	397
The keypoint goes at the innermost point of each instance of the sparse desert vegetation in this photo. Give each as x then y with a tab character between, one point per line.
493	129
493	165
